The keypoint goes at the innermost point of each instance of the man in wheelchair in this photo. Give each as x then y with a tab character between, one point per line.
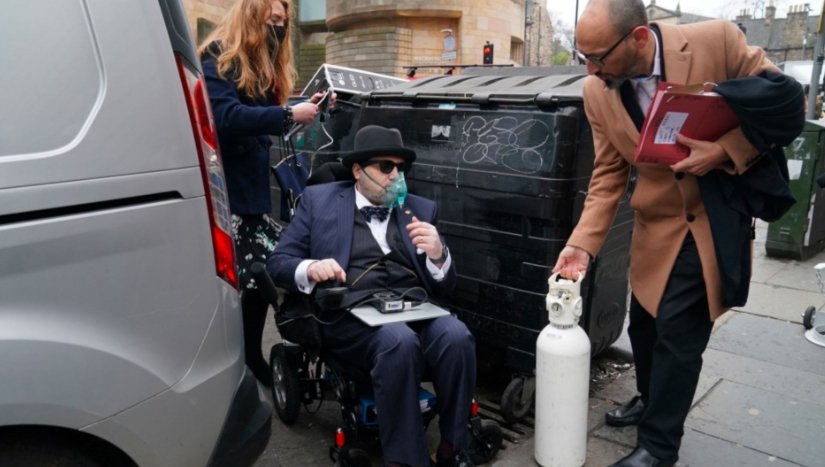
371	236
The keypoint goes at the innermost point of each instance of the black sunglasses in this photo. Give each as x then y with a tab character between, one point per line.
598	60
386	166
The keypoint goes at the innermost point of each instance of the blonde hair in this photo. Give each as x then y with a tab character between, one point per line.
244	51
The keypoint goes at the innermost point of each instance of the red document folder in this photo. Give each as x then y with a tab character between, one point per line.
693	111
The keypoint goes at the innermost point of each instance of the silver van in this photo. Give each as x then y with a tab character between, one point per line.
120	323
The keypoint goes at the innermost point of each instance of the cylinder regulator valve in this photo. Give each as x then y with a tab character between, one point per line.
564	301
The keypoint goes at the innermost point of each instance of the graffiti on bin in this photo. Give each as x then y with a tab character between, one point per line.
505	141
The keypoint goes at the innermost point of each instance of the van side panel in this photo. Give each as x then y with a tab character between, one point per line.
92	302
100	96
167	430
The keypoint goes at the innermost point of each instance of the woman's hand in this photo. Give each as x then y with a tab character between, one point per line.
316	98
319	96
304	113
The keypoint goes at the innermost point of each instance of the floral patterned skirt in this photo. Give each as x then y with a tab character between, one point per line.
255	238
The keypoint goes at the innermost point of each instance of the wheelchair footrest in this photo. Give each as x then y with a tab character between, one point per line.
368	413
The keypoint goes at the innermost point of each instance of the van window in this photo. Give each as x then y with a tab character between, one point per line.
50	67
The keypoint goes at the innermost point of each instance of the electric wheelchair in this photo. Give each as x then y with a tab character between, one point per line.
307	375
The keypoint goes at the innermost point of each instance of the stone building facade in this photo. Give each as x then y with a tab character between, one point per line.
203	14
663	15
389	37
384	37
784	39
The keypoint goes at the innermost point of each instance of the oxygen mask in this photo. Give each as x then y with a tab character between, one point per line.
396	193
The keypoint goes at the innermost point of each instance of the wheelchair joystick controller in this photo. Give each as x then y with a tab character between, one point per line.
330	294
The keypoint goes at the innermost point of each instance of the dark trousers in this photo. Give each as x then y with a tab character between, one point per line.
254	308
396	357
668	353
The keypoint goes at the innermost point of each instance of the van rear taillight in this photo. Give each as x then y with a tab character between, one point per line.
204	112
206	142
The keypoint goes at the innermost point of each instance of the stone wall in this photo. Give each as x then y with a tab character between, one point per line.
791	38
795	27
540	44
382	50
470	22
312	57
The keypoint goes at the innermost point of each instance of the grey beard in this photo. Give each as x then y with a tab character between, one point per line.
614	84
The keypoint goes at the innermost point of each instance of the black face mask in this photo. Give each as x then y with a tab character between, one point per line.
279	32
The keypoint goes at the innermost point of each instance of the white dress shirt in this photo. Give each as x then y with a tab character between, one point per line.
646	86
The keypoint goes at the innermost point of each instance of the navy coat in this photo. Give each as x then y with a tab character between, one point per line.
323	228
244	124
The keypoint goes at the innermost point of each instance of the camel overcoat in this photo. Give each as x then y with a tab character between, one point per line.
666	205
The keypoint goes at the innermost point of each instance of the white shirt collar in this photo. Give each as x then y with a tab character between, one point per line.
657	62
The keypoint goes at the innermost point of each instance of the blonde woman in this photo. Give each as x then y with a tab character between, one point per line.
247	63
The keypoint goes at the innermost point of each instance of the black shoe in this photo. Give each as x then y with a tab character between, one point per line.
459	459
627	414
641	458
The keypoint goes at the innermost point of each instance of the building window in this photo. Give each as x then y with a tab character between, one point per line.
516	50
312	10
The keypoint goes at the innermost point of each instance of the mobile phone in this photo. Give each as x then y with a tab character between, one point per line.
324	102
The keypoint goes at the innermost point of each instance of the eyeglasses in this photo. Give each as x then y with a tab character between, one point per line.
598	60
386	166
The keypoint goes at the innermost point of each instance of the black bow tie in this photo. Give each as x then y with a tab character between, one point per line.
378	212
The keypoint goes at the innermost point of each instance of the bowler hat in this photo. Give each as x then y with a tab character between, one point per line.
373	141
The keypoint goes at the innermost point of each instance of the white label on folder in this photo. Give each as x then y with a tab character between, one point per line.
670	126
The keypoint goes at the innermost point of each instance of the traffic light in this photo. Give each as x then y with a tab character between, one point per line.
488	53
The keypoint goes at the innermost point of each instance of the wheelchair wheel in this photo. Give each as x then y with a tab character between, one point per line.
484	446
517	399
352	458
286	386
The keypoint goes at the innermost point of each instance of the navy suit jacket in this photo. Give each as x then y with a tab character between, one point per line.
323	228
244	124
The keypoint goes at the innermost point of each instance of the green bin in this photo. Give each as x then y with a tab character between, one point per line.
800	233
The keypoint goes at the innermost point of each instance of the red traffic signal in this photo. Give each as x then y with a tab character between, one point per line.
488	53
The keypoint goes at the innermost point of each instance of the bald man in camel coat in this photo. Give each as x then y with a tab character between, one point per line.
674	275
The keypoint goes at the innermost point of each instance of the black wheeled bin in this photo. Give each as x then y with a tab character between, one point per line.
508	160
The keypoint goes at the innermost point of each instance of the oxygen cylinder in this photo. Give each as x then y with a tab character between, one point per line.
562	379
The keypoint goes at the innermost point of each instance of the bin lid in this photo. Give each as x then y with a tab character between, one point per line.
542	90
347	80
